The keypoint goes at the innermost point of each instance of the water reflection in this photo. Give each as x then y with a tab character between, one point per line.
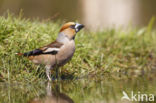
95	89
53	95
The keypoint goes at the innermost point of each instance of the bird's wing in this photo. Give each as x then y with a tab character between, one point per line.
52	48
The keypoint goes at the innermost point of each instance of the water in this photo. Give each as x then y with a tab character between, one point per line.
103	89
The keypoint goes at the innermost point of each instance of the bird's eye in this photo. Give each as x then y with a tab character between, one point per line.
72	26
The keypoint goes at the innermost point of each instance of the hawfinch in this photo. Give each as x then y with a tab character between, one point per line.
58	52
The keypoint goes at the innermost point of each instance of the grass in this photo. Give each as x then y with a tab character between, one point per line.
113	59
130	52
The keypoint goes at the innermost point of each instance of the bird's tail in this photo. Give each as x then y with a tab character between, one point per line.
19	54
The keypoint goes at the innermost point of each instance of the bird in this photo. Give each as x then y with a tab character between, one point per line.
57	53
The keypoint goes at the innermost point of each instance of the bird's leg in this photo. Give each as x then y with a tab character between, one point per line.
56	68
57	73
48	89
48	72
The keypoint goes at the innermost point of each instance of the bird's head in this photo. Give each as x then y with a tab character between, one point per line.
70	29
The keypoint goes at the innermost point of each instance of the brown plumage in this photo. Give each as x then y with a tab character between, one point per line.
58	52
67	25
55	44
19	54
42	50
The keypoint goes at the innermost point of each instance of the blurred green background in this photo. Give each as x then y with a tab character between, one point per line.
95	14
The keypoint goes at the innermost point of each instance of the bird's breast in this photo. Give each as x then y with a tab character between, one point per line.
66	53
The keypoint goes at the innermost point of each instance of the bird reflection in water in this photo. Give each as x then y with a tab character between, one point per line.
53	95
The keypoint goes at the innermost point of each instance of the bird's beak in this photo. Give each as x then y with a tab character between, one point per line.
78	27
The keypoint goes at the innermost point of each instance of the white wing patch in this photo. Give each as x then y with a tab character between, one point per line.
51	50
